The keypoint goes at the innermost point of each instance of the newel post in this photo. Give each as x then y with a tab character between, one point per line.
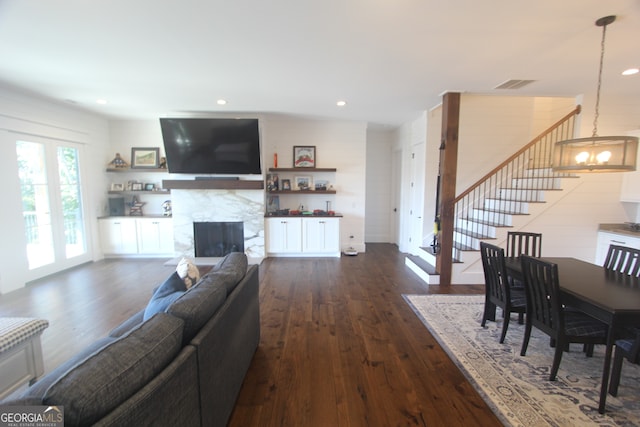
448	172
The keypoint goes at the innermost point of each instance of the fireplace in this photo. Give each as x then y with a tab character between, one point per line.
217	239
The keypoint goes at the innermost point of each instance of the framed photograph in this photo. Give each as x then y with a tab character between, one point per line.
272	182
136	186
304	156
145	157
273	204
303	183
322	184
149	187
117	187
286	185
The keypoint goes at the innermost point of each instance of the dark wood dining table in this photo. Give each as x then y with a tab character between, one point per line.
611	297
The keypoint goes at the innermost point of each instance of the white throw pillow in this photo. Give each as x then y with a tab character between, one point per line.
188	272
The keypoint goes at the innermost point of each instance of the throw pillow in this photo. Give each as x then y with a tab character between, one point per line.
188	272
172	289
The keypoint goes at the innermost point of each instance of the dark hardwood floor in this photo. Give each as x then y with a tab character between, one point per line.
339	346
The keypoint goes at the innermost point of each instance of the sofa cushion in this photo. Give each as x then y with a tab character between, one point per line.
93	385
197	306
168	292
233	268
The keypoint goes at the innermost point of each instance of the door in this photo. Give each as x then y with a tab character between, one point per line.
416	197
52	205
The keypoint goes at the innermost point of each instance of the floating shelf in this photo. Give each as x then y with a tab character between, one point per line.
141	192
138	170
211	184
303	192
302	170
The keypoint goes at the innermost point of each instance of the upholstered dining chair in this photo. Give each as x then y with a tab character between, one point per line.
524	243
623	260
628	348
546	312
498	292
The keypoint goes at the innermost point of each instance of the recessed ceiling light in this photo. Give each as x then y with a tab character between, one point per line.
222	102
630	71
101	101
341	103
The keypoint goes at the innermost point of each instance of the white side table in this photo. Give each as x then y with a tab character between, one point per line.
20	352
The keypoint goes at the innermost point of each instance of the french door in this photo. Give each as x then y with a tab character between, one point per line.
52	206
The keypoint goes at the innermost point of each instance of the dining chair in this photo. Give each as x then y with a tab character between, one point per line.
627	348
546	312
498	292
623	260
524	243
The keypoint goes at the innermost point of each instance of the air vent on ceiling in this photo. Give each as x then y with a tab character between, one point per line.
514	84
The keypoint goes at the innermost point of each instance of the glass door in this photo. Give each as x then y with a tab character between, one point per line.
51	202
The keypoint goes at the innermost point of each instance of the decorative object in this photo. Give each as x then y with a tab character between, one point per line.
286	184
321	185
166	208
135	207
273	204
515	387
275	160
303	182
597	153
143	157
136	186
304	156
117	187
118	162
272	182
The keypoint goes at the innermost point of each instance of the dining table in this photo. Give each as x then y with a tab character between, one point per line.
606	295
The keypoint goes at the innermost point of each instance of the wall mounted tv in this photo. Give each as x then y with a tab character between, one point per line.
211	146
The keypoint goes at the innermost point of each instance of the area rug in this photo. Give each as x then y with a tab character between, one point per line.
515	387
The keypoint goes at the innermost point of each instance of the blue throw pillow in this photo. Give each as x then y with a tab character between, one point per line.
172	289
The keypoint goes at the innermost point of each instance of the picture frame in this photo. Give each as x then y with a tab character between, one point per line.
145	157
273	204
117	186
149	187
304	156
272	182
136	186
303	183
286	185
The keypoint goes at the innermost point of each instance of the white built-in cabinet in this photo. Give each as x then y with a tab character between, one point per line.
148	236
299	236
605	239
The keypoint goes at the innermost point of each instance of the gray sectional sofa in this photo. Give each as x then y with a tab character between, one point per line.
183	366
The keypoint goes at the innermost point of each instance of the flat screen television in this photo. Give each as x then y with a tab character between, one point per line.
211	146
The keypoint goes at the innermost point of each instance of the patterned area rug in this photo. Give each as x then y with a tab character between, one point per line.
516	387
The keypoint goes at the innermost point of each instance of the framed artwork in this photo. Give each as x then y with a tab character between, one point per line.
304	156
136	186
273	204
286	185
303	182
149	187
272	182
145	157
117	187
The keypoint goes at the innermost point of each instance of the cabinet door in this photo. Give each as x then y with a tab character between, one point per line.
118	235
321	235
284	235
155	235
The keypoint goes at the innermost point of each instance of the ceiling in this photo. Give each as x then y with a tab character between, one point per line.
388	59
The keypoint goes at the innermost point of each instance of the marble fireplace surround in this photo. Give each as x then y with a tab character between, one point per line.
199	204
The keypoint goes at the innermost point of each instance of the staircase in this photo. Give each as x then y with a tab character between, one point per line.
502	200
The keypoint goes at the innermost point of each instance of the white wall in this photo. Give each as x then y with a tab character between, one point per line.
21	116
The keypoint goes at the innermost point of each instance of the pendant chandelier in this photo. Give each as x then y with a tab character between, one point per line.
597	153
